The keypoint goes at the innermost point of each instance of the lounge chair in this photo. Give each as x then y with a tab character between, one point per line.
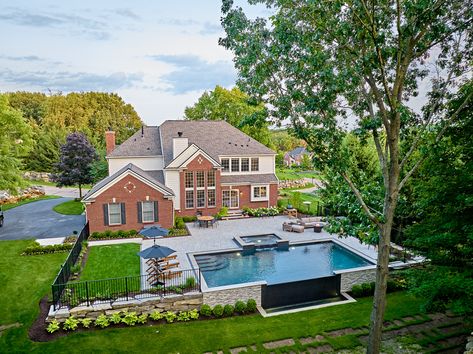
311	221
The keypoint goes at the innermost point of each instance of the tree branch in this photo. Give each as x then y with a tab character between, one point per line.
360	199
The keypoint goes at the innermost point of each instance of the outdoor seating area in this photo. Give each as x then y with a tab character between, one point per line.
162	269
206	221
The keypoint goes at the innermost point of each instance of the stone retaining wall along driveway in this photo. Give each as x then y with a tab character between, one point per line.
138	304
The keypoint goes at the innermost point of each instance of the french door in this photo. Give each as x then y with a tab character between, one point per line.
231	199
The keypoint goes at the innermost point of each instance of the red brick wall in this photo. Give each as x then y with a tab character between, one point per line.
245	196
194	166
95	210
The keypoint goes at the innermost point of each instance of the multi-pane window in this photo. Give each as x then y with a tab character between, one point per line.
147	211
211	179
114	214
235	165
200	198
254	164
260	192
211	198
189	180
200	177
226	165
245	164
190	199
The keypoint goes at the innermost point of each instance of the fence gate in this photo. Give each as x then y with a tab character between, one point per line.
277	295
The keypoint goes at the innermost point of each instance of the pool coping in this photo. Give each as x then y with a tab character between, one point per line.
206	288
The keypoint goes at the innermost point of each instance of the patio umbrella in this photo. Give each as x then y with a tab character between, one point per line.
154	232
156	251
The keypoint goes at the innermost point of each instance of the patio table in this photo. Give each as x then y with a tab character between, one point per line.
205	219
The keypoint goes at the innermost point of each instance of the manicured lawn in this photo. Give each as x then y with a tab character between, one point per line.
71	207
26	279
112	261
315	201
289	174
27	201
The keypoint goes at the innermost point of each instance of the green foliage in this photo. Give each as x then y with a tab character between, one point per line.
183	316
189	218
130	318
156	315
251	305
142	318
115	318
206	310
259	212
234	107
179	223
296	200
15	142
283	141
36	249
99	168
170	316
70	324
240	307
228	310
178	232
44	154
217	311
222	212
194	314
190	282
71	207
86	322
53	326
102	321
108	234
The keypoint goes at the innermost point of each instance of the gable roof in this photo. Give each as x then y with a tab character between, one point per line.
146	144
297	151
147	177
215	137
189	154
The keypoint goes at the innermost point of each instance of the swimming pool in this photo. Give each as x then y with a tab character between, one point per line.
299	262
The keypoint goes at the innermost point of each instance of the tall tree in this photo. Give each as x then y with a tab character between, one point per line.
75	165
234	107
15	141
316	62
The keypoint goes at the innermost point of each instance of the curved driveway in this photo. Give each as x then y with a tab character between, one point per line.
39	220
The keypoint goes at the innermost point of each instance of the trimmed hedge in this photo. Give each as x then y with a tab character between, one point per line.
367	289
107	235
37	249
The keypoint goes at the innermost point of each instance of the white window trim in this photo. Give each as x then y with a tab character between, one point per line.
238	197
240	172
207	197
120	213
143	212
196	199
193	198
259	199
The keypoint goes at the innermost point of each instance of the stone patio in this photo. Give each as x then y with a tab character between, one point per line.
221	238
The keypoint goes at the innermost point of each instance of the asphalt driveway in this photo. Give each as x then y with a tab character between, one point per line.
39	220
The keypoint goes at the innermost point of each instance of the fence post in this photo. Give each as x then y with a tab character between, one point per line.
126	287
87	292
200	280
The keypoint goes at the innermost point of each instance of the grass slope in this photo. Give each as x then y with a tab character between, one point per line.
27	201
112	262
26	279
289	174
71	207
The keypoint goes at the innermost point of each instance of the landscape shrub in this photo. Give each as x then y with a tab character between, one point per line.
108	234
70	324
102	321
222	212
115	317
53	326
156	315
178	232
218	310
37	249
251	305
259	212
194	314
142	318
86	322
189	218
179	223
228	310
206	310
367	289
190	282
130	318
184	316
170	316
240	307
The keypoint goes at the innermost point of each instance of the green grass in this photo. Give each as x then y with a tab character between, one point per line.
290	174
71	207
26	279
315	201
9	206
112	261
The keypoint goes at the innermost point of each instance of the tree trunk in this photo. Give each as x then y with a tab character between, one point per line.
80	191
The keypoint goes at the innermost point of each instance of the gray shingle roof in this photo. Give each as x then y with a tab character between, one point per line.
148	144
151	176
214	137
253	178
297	151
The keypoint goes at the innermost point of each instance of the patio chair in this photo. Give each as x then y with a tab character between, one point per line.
169	274
214	222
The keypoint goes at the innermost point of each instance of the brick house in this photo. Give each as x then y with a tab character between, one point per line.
294	157
180	168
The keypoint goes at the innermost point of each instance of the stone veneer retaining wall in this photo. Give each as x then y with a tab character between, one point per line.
138	304
230	295
356	277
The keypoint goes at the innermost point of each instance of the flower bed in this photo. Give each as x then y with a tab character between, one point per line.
260	212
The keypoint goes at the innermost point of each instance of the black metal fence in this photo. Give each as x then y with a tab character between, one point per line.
66	268
125	288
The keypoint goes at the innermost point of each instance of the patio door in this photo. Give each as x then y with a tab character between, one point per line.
231	199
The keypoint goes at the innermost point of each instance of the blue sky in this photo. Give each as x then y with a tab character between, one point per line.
160	56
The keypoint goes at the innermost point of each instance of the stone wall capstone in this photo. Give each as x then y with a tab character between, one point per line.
356	277
139	304
229	296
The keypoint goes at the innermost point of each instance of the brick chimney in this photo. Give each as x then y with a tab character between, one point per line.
109	141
